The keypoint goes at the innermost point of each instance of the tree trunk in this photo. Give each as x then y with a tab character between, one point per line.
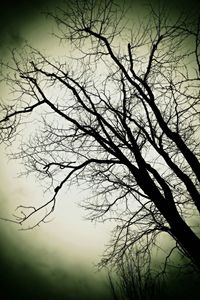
181	232
186	238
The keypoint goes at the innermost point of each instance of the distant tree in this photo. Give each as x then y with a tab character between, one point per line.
135	278
120	116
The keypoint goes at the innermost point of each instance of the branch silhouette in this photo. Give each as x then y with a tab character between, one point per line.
122	118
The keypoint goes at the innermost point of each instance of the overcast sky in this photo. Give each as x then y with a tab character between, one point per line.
17	19
17	15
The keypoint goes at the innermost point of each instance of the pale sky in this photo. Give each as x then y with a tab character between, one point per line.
68	234
69	239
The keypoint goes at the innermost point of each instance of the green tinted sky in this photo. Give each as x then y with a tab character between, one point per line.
17	17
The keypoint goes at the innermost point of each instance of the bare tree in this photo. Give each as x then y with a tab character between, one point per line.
135	278
121	116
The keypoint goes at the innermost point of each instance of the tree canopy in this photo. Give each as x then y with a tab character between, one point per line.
120	116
